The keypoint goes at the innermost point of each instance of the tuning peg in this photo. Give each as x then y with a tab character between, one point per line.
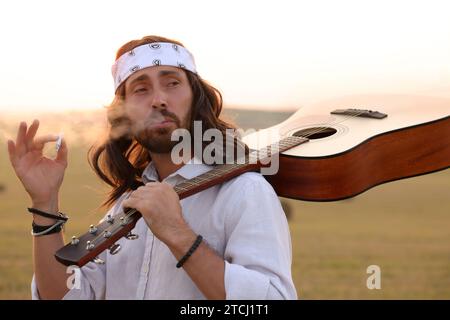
114	249
106	234
75	240
89	245
97	260
109	218
92	229
131	236
123	221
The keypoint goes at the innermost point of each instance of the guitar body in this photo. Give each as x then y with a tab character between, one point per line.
357	153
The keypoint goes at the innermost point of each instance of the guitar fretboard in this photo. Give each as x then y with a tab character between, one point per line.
227	171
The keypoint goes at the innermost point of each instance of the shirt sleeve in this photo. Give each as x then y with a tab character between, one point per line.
258	253
89	281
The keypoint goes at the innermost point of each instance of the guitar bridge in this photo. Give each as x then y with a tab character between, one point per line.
363	113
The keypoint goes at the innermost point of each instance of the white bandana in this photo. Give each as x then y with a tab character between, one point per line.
148	55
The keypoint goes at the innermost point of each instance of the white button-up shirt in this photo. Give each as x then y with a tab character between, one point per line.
241	219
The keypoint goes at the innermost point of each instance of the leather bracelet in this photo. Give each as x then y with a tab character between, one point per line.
190	252
61	215
38	230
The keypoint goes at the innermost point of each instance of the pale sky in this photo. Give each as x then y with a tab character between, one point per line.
57	55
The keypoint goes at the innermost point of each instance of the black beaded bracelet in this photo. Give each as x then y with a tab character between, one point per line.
191	251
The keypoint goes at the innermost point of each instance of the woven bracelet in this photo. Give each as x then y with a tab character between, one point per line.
190	252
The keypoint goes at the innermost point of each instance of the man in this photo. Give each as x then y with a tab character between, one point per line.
230	241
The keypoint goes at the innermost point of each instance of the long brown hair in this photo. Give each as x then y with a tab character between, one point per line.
119	160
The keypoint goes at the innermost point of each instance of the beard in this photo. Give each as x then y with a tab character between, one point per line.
157	140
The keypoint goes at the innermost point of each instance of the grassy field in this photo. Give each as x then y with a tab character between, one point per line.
403	227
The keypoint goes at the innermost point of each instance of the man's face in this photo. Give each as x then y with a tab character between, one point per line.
158	101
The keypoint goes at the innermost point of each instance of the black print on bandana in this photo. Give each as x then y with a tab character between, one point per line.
181	65
131	53
135	68
156	62
155	46
175	47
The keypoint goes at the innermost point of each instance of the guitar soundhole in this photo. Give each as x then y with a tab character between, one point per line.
315	132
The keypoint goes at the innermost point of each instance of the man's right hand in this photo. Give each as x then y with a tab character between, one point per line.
41	177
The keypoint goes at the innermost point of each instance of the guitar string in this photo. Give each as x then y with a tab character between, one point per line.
323	126
320	129
115	226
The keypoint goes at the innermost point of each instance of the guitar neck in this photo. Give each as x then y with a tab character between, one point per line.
221	173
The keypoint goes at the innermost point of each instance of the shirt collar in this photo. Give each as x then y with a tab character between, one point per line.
191	169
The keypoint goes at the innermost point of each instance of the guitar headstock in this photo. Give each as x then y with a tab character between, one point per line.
87	247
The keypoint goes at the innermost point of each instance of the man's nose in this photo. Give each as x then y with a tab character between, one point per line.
159	99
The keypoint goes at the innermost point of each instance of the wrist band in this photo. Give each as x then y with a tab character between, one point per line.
38	230
61	215
191	251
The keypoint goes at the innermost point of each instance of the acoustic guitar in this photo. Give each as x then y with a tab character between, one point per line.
331	151
358	142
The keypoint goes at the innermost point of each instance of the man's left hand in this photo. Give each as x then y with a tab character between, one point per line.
160	206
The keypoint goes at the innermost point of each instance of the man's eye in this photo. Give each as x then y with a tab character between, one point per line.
140	90
173	83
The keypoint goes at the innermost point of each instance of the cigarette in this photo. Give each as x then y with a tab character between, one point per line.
58	142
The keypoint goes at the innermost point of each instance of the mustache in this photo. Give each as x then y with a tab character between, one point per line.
163	115
172	116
